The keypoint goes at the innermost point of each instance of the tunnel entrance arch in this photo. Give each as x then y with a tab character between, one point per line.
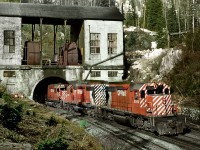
40	91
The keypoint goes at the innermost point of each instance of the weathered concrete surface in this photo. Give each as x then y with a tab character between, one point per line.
15	146
6	58
25	80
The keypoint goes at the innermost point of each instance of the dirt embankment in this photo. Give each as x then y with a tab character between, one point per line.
41	127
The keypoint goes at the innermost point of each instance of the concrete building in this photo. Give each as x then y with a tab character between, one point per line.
96	31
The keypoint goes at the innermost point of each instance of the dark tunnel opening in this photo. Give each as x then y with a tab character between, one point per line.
40	92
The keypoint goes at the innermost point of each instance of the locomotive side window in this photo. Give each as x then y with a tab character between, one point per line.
142	93
136	95
62	89
71	90
166	91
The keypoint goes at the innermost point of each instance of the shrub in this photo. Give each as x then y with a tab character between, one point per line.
7	97
52	121
19	108
53	144
10	117
2	89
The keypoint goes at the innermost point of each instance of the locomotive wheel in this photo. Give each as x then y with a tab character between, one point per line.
161	128
61	104
132	121
104	114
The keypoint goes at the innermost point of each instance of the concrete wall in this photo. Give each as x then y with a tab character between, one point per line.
104	76
25	80
6	58
103	27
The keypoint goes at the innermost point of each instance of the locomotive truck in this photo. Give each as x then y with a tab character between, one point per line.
147	106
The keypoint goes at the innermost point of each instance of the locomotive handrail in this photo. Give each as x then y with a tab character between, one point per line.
102	62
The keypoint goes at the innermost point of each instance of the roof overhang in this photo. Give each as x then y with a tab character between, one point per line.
56	14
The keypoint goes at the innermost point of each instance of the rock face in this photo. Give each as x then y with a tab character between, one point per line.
154	64
169	61
15	146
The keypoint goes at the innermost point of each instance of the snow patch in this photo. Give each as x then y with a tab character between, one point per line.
154	64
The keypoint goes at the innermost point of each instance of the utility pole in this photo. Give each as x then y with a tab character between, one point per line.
193	11
166	25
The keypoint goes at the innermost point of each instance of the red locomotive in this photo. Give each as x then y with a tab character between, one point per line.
147	106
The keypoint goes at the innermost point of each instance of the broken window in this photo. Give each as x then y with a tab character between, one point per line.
95	74
95	43
9	74
112	73
9	40
112	43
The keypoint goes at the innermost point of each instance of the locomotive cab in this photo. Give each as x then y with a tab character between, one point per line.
54	91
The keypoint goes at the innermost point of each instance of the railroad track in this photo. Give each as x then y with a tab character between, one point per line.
146	140
137	139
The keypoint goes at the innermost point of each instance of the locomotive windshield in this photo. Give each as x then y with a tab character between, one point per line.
150	90
156	90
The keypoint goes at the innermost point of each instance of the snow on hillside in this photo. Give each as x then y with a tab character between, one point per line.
154	64
135	29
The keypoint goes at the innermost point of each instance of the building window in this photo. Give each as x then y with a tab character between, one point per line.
9	40
112	73
95	43
112	43
9	74
95	74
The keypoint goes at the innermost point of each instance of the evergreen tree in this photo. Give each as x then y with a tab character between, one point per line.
172	19
154	15
155	20
131	16
172	23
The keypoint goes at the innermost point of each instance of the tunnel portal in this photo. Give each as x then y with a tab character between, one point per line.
40	92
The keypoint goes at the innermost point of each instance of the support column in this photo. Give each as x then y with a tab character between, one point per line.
41	40
33	32
65	23
55	29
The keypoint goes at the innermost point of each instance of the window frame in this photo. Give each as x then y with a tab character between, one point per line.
9	40
95	74
112	43
112	73
9	73
95	43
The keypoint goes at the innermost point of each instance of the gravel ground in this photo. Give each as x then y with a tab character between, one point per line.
114	136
